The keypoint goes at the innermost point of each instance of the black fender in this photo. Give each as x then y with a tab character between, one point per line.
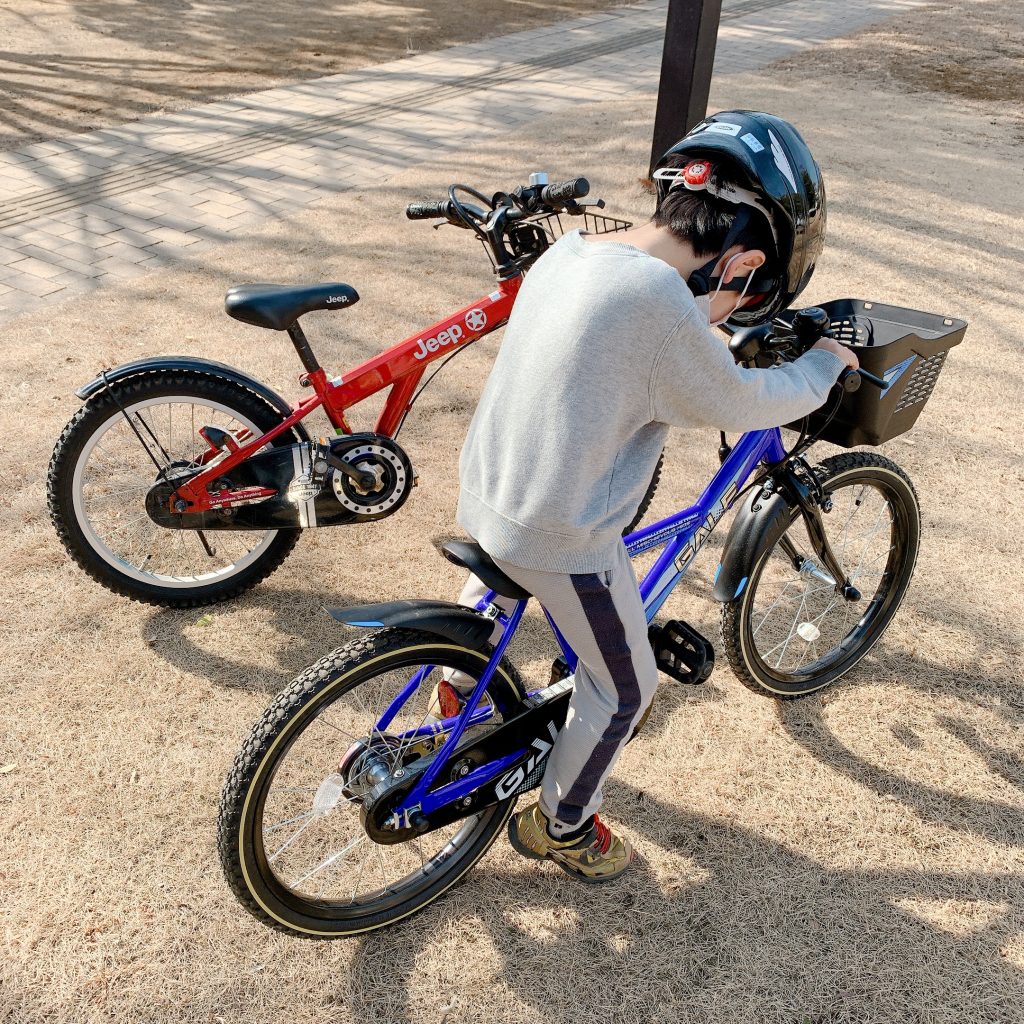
759	523
140	366
451	621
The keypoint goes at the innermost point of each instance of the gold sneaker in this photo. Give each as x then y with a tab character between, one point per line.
598	856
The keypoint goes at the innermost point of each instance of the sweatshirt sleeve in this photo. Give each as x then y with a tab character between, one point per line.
696	382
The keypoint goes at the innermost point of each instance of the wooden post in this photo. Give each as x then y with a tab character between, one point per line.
687	60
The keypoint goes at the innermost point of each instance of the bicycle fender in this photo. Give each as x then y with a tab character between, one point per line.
759	523
172	363
451	621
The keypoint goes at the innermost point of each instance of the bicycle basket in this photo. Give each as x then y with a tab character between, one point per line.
593	224
529	238
904	346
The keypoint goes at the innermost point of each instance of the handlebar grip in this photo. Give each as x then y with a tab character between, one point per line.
428	211
878	382
565	191
850	380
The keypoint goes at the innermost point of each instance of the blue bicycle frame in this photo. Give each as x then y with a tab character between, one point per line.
682	536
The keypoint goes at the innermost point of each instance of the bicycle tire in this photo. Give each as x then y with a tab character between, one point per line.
239	835
737	615
97	412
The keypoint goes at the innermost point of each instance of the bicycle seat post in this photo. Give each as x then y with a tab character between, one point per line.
309	361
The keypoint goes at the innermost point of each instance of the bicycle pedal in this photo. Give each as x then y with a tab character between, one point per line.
559	670
681	652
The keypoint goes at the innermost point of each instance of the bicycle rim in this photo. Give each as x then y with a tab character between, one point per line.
796	628
113	473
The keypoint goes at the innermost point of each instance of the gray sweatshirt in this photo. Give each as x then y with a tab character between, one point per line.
605	349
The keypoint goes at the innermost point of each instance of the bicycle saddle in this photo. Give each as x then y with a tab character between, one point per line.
278	306
473	557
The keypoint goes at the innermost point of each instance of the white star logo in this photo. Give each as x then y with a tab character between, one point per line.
476	319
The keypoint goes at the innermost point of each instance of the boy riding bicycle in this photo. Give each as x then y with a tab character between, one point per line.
609	344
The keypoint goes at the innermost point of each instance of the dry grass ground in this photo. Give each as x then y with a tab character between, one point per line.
852	857
70	65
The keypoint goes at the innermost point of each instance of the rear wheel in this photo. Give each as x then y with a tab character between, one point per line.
291	840
116	448
789	633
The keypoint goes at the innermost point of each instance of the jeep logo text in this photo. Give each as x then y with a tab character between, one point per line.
452	336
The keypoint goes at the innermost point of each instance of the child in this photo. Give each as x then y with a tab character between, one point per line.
609	343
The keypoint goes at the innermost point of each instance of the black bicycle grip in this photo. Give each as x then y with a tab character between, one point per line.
564	191
850	380
878	382
428	211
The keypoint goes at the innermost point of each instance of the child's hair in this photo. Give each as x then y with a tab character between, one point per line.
704	220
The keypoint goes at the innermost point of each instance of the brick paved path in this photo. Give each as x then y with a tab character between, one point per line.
107	205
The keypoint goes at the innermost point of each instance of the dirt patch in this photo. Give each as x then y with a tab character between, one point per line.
851	857
70	65
971	48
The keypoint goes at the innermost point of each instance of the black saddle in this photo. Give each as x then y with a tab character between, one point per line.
473	557
278	306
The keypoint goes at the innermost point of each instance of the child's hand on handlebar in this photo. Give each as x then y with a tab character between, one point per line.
833	346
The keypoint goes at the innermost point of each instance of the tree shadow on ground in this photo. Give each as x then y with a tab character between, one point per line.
175	53
746	929
991	819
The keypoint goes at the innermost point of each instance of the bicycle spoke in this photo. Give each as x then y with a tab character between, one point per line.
123	463
802	620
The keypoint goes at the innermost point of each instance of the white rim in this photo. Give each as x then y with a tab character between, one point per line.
119	563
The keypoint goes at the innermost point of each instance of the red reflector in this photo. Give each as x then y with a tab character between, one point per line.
697	172
448	699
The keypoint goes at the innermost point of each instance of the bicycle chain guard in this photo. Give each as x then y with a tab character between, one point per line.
532	732
295	487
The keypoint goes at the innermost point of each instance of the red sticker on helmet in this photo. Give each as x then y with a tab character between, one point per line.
697	172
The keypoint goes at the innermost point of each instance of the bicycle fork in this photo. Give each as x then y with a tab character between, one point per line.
830	570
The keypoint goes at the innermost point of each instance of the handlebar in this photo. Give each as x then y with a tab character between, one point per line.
527	200
750	344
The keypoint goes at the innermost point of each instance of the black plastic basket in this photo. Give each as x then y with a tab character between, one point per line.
906	347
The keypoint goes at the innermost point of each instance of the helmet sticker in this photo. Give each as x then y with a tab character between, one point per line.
752	143
725	127
780	160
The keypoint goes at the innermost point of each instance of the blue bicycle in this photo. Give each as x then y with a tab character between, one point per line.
355	802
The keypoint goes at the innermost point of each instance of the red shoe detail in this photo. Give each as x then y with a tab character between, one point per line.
604	835
448	699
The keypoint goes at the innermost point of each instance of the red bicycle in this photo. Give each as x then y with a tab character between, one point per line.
183	482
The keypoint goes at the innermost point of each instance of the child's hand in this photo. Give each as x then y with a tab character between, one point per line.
833	346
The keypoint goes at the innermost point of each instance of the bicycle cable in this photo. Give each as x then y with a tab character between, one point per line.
440	366
463	214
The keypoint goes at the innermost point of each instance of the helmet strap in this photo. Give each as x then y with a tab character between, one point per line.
704	282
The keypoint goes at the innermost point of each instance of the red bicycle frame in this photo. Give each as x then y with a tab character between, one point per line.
400	368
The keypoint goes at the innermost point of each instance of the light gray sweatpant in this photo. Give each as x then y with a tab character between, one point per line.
602	618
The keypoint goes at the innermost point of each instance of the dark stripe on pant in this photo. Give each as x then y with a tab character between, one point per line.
606	625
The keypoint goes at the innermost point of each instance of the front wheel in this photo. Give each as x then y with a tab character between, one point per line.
290	836
790	633
116	448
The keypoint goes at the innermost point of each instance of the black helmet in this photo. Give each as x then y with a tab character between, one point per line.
767	158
